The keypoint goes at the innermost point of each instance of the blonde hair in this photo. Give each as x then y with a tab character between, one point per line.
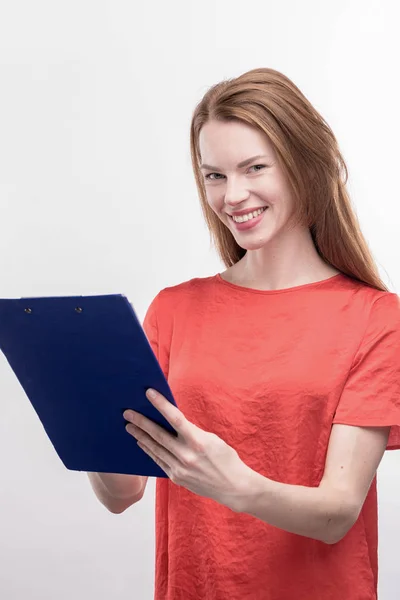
310	158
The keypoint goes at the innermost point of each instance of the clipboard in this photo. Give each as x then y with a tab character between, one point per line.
82	361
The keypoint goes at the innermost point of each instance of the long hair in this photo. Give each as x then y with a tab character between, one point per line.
309	155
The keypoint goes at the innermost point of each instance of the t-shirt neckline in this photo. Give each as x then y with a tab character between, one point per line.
218	278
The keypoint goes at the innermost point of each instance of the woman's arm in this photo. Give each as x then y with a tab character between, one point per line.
117	492
206	465
327	512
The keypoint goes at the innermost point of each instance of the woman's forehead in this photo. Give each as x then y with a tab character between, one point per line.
232	141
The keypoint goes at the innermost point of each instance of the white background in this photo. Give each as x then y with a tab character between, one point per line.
97	196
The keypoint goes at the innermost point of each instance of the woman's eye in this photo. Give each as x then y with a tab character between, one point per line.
216	176
258	167
213	178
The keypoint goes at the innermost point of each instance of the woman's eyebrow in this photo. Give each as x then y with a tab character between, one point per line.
244	163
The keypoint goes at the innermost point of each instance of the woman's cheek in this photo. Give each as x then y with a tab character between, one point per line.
215	201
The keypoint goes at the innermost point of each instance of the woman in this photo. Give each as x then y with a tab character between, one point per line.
285	368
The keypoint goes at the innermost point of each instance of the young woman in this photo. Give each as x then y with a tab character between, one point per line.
285	368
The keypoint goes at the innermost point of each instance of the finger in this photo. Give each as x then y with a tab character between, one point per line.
145	430
157	449
171	413
164	466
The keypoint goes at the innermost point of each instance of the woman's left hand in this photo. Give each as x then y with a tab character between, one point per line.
195	459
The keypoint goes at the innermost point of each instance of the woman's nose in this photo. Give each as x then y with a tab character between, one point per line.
235	193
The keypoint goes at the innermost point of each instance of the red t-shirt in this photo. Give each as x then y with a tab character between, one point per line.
270	372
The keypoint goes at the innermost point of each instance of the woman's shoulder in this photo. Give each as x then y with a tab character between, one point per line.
171	297
191	286
371	296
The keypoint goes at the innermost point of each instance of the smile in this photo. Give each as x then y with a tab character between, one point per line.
248	216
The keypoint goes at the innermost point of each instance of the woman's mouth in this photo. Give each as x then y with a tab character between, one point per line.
248	220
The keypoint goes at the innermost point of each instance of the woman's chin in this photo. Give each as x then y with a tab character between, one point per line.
255	244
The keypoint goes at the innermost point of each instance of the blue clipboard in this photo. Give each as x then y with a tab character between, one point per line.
83	360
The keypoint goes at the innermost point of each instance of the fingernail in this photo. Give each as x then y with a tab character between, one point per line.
151	394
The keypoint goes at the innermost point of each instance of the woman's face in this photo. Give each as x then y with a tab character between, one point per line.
245	186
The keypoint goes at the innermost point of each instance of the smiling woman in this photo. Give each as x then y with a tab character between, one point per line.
285	368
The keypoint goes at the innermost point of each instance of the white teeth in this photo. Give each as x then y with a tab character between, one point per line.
244	218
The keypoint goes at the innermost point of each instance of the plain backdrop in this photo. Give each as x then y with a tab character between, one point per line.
97	196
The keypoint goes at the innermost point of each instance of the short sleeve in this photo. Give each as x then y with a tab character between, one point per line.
371	395
157	325
150	326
